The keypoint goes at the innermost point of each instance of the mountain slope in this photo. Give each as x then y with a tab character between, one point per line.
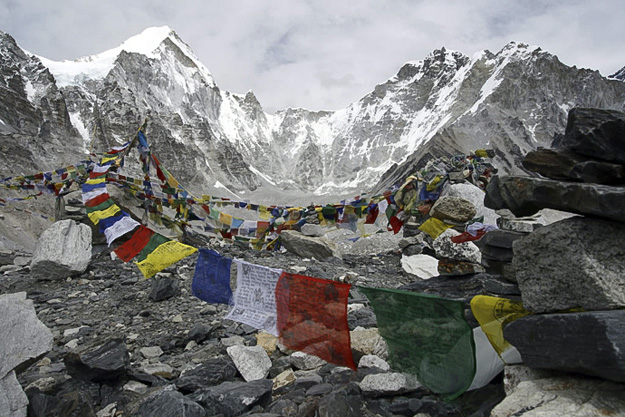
221	143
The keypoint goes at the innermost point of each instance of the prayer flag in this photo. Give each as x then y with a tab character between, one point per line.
96	216
135	244
122	226
493	313
254	298
427	336
312	317
211	281
163	256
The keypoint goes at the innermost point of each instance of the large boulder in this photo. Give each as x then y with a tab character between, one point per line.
453	208
476	196
308	246
576	262
252	361
64	249
525	196
596	133
531	393
591	343
234	398
164	402
13	401
23	337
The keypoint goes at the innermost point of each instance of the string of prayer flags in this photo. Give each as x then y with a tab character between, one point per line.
493	313
427	336
254	297
133	246
312	317
211	280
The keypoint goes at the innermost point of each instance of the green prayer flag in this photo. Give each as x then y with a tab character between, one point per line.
427	336
155	241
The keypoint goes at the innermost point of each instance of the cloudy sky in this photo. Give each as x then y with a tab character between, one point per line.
322	54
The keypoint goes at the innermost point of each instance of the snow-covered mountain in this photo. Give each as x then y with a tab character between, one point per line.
218	142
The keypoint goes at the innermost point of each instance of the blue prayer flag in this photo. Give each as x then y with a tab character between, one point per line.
211	281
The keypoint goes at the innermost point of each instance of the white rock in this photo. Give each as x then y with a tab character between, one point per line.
304	361
466	251
373	361
151	352
252	361
422	266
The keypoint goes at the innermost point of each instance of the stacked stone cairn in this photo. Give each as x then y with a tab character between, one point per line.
571	273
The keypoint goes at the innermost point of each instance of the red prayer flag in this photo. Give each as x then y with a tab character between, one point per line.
97	200
396	224
312	317
133	246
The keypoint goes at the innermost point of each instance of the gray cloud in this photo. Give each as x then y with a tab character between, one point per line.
322	54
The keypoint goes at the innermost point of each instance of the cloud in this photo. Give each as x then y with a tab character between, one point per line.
322	54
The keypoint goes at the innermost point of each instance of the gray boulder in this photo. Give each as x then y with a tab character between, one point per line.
308	246
24	337
314	230
549	394
525	196
476	196
164	288
211	372
591	343
62	250
393	383
453	208
596	133
13	401
576	262
99	362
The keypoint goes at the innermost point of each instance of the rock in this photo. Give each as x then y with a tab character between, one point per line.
164	288
166	402
525	196
564	165
268	341
595	133
199	332
252	361
562	396
319	248
501	238
159	369
213	371
308	381
283	379
465	251
313	230
452	267
422	266
62	250
476	196
571	342
378	385
453	208
496	253
302	360
105	363
70	403
319	389
519	225
373	361
495	285
367	342
551	163
13	401
344	402
576	262
234	398
151	352
24	337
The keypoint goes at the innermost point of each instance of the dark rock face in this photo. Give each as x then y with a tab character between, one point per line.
525	196
212	372
595	133
102	363
592	343
168	403
164	288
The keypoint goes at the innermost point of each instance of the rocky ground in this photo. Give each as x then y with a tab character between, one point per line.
111	301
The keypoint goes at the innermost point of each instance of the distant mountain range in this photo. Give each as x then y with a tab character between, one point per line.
217	142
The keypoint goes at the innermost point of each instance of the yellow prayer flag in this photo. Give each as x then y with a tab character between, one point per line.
95	181
225	218
493	313
163	256
96	216
434	227
107	159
